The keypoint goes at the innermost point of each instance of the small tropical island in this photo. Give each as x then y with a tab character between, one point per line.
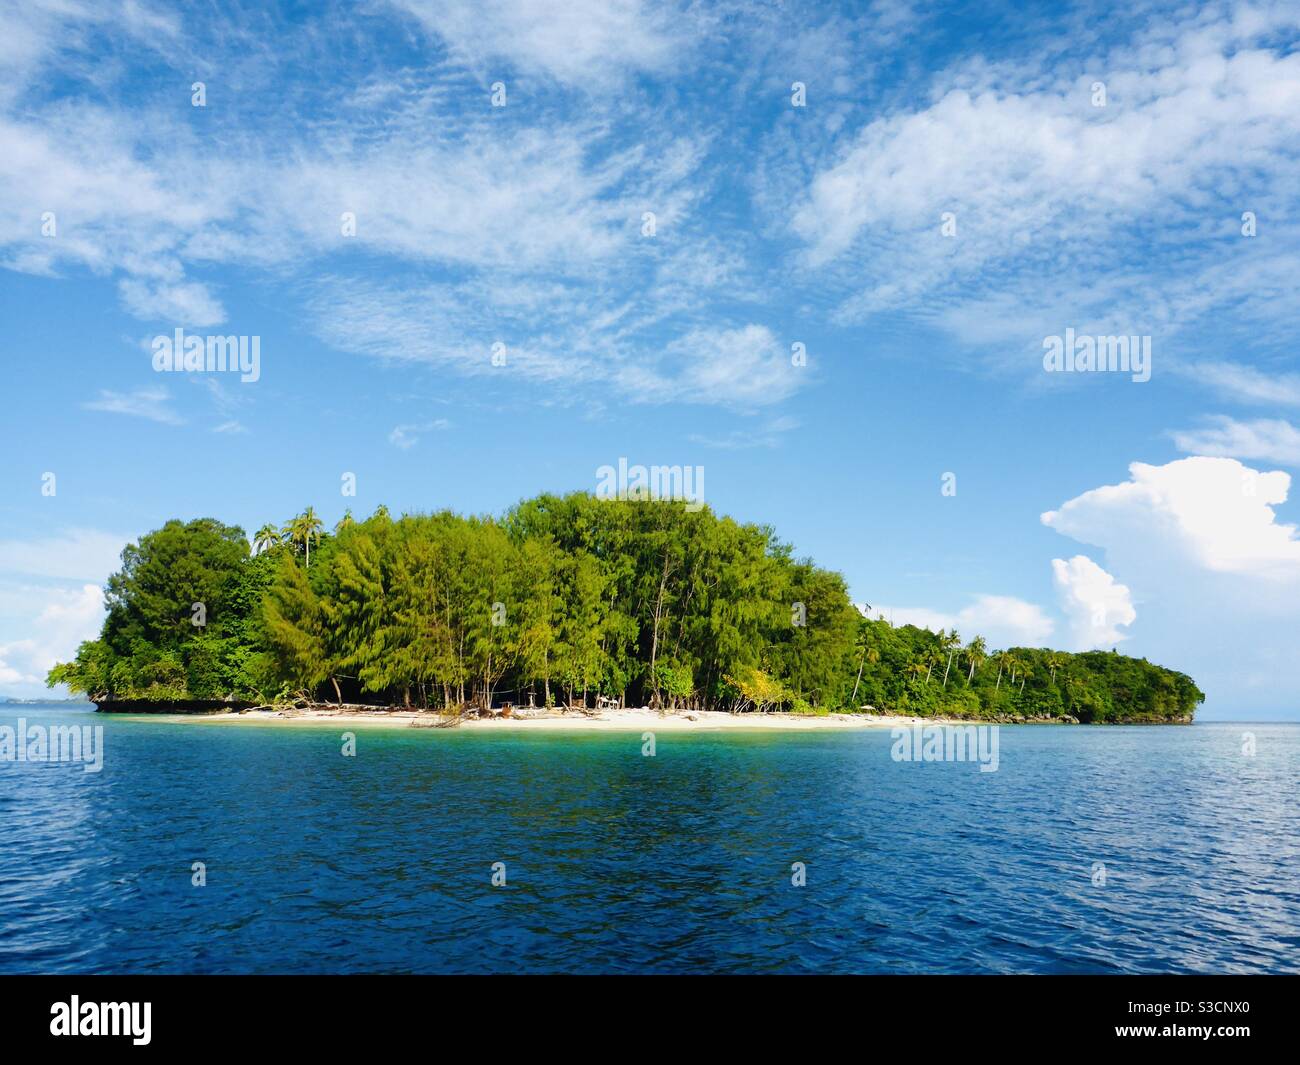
565	605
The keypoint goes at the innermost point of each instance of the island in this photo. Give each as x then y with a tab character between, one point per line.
564	605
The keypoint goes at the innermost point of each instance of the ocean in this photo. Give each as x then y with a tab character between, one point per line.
261	848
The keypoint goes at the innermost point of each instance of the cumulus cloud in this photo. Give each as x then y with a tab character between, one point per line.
1093	603
51	599
1199	544
1214	513
1003	620
68	617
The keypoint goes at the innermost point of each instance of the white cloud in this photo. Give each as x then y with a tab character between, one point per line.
407	436
581	43
521	232
51	599
762	434
1213	513
745	367
1199	544
1023	157
77	554
1247	383
68	617
1003	620
1268	439
150	403
189	304
1203	111
32	33
1092	602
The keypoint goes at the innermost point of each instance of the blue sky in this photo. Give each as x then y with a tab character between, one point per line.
1115	213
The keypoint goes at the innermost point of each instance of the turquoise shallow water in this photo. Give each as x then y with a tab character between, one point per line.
678	863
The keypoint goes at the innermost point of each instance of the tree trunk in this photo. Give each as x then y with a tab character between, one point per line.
854	697
654	643
338	695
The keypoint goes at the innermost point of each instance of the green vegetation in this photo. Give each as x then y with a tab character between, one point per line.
564	599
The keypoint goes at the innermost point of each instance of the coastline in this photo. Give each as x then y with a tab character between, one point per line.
632	719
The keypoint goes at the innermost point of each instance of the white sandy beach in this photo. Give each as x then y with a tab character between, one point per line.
629	720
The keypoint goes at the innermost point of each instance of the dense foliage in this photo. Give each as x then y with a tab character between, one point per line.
563	600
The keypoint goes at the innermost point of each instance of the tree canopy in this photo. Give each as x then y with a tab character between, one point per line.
564	598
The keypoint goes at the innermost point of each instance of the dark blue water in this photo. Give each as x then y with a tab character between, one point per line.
679	863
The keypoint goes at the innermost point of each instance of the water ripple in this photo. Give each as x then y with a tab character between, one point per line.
678	863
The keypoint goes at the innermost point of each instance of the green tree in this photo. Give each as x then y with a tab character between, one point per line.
267	537
303	531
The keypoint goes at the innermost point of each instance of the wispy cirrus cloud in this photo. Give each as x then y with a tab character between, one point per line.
407	436
1247	384
1266	439
1200	124
581	43
152	404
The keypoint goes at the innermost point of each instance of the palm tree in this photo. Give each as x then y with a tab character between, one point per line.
1005	660
1024	676
345	521
869	654
949	642
932	659
1055	662
267	537
303	529
975	654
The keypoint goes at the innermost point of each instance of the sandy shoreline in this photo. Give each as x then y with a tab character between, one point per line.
627	720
